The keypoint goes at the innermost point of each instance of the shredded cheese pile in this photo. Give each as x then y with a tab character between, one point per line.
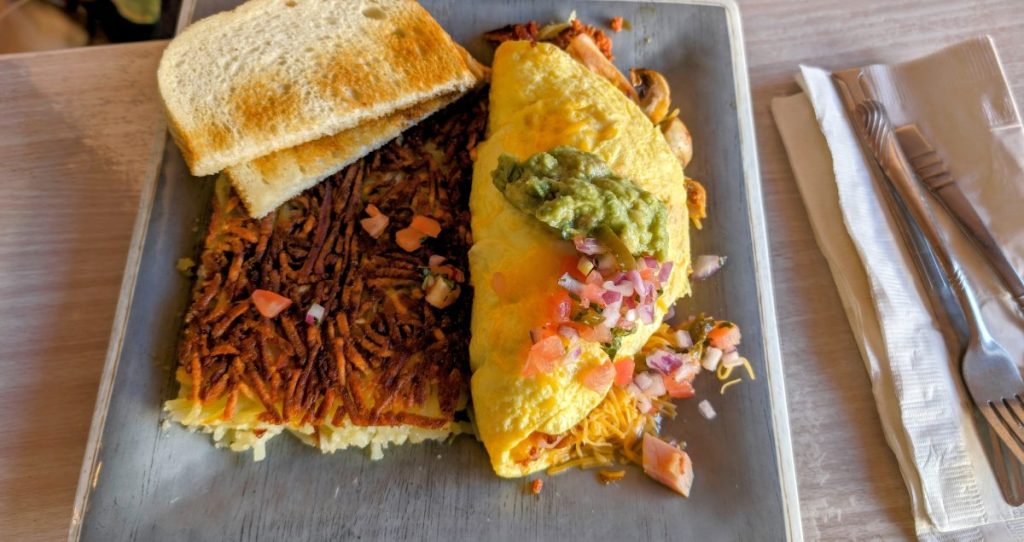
613	428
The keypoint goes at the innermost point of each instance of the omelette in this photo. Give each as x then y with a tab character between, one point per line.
546	108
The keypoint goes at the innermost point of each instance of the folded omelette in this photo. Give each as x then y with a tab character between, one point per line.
543	101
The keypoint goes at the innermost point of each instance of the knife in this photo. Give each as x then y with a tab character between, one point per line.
933	172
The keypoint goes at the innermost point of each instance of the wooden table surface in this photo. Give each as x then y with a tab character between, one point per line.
77	132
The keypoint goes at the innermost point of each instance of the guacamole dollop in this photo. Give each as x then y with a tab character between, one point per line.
576	194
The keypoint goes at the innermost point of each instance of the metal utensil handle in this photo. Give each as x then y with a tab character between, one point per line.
964	212
890	157
935	175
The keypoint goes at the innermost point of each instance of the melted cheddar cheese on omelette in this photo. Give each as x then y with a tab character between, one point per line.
541	98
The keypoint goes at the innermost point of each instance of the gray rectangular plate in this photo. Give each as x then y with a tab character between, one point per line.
143	482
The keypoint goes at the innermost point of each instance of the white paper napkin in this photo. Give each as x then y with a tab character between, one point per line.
959	99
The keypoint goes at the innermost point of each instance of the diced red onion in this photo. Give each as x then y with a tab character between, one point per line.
682	338
594	277
643	381
706	410
657	389
606	263
435	260
732	359
639	286
665	272
568	332
587	245
687	371
635	390
651	262
630	315
655	386
643	402
612	314
625	324
315	313
706	265
646	313
569	283
574	354
564	310
671	312
711	358
664	361
610	296
624	288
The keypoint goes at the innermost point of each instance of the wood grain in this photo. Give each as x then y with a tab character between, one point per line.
76	132
75	139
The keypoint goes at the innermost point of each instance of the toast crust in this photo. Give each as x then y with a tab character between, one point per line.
268	181
273	74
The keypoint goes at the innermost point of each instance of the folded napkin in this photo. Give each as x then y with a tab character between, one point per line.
959	99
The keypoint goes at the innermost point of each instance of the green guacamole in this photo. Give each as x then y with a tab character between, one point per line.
576	194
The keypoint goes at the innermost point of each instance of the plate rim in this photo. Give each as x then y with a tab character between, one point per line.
775	377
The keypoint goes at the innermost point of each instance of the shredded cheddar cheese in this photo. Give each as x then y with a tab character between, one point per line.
610	429
728	384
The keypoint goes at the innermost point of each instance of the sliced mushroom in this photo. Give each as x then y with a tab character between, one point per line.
652	89
584	50
679	140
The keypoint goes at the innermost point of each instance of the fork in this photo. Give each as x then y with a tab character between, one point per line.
991	376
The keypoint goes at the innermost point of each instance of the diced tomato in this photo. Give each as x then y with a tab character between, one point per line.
616	24
375	225
538	334
599	378
599	334
667	464
425	224
409	239
559	306
677	389
536	486
544	356
725	336
268	303
624	368
592	292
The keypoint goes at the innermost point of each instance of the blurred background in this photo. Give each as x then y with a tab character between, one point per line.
42	25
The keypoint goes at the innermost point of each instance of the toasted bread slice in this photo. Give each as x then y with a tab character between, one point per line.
269	181
273	74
